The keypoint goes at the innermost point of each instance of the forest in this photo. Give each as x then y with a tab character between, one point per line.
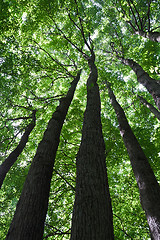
79	119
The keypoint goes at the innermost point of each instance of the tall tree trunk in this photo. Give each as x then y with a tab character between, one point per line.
92	212
148	186
150	106
28	221
153	36
11	159
149	83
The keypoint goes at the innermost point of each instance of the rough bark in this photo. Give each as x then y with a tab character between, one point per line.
92	213
149	83
150	106
149	188
11	159
153	36
28	221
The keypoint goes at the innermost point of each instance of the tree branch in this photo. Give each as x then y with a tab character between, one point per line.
73	188
123	230
56	232
147	17
135	20
18	118
140	20
55	60
66	38
82	29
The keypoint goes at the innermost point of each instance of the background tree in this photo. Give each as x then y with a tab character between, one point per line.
148	186
10	160
150	106
140	17
33	203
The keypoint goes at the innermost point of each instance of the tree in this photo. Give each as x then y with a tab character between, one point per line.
10	160
44	45
148	186
139	18
151	107
33	202
92	213
149	83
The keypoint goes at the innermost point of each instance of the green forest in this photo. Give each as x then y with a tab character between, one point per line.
79	119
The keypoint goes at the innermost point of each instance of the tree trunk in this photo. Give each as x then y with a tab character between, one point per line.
148	186
150	106
153	36
149	83
92	212
28	221
11	159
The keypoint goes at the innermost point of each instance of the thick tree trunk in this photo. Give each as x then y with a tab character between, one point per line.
92	213
28	221
11	159
153	36
150	106
149	83
148	186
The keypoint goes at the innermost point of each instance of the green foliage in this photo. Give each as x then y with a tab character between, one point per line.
42	46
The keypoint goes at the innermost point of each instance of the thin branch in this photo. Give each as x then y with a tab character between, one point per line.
151	30
132	26
47	98
125	14
123	230
12	140
69	15
82	29
140	20
150	106
72	60
56	231
66	38
55	60
133	14
30	108
125	233
73	188
147	17
18	118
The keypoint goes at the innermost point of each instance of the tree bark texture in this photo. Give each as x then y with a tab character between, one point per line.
11	159
153	36
150	106
149	83
92	213
148	186
28	221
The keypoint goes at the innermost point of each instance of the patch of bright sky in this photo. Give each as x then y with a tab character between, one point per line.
1	60
83	79
24	17
140	87
96	4
95	34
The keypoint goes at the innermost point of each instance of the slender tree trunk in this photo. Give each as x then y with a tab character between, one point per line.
150	106
11	159
28	221
148	186
92	213
149	83
153	36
